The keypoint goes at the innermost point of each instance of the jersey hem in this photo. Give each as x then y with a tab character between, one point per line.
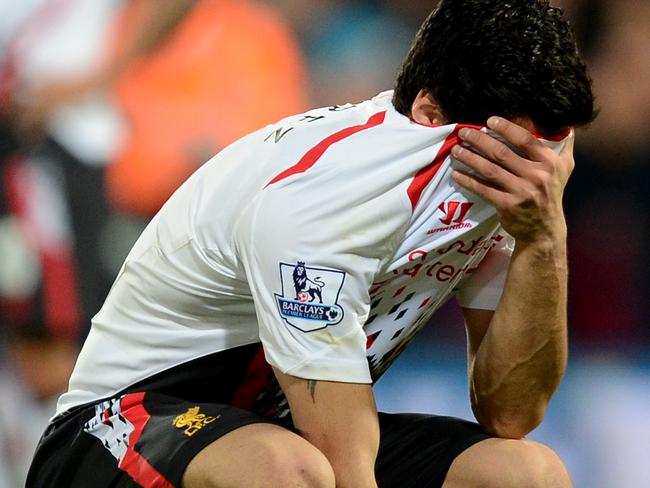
115	392
322	368
480	298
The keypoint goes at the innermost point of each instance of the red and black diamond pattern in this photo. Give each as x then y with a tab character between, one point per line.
388	337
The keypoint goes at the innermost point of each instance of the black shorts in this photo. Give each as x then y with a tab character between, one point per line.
149	439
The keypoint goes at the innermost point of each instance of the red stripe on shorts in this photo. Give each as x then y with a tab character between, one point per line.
257	377
136	466
314	154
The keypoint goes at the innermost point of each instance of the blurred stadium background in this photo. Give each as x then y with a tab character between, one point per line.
106	106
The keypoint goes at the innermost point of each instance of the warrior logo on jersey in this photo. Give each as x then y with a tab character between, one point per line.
453	217
309	299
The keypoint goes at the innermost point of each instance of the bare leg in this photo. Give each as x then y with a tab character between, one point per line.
507	463
259	456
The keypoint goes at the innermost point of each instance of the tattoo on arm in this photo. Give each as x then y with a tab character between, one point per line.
311	384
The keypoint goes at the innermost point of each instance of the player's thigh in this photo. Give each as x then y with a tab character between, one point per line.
507	463
259	455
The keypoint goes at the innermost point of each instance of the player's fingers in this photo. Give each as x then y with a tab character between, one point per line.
487	170
484	190
495	151
519	137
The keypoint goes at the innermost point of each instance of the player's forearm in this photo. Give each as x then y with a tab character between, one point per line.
340	419
350	447
522	358
353	465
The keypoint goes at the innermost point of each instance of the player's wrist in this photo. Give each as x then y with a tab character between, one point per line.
547	248
352	479
551	233
354	468
544	245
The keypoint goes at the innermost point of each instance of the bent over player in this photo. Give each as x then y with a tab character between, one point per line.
239	343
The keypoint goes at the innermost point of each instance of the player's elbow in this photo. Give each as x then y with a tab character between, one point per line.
513	428
509	425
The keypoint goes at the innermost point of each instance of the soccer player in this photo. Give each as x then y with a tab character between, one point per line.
239	343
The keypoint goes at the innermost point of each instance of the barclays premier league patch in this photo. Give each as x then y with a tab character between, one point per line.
309	299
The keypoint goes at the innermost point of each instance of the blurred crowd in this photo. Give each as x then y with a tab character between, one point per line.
107	106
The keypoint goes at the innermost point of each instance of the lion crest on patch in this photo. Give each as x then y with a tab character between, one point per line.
309	298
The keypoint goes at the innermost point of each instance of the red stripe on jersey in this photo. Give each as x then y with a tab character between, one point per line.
370	340
312	156
257	377
133	463
426	174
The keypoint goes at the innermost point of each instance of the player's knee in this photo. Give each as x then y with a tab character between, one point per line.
306	467
506	463
534	465
261	456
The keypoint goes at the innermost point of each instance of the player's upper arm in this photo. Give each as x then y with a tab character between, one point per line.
325	407
340	419
309	262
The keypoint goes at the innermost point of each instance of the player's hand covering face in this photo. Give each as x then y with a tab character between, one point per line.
526	190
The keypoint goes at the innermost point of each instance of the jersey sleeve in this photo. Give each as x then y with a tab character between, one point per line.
483	289
310	259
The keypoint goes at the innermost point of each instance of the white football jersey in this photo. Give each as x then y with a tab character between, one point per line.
320	245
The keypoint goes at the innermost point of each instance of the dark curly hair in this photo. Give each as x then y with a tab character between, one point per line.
510	58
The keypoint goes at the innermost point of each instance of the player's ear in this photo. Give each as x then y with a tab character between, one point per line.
426	110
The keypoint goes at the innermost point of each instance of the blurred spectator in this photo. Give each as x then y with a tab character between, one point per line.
40	315
229	68
616	40
608	201
354	48
37	370
413	12
169	66
39	276
189	77
54	142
